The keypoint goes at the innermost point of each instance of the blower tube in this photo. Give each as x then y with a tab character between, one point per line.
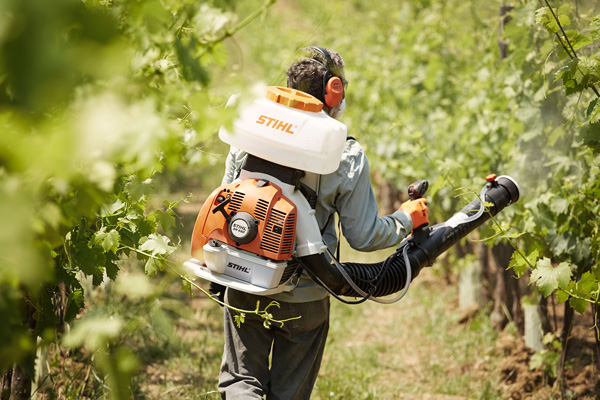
419	250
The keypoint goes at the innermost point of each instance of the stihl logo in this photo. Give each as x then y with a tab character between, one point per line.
238	267
275	124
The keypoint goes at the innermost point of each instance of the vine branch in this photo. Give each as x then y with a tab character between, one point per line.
571	56
268	317
238	27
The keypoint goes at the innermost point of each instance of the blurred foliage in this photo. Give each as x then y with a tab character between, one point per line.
100	100
96	98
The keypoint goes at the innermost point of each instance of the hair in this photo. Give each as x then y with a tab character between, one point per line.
306	74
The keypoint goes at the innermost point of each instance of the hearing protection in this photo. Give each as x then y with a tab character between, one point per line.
333	85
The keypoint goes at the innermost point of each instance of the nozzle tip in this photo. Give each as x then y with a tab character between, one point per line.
490	178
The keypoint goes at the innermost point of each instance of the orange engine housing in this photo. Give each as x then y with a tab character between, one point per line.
273	213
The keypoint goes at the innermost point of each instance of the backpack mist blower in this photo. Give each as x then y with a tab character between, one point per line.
258	232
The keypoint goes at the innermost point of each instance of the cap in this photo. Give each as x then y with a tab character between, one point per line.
294	98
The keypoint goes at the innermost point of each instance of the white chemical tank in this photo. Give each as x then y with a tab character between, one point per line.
288	127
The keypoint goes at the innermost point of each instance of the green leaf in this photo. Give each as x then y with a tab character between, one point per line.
577	40
548	278
536	360
112	269
114	208
593	110
239	319
562	296
595	28
559	205
544	17
109	241
90	260
190	66
587	283
153	266
589	68
187	286
578	304
519	264
165	220
591	136
75	302
138	190
156	243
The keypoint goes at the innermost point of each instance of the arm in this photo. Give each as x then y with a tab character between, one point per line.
357	207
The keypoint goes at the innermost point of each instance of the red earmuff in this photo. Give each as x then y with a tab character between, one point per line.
334	91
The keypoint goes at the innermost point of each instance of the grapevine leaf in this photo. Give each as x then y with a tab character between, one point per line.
114	208
587	283
562	296
559	205
112	269
544	17
108	240
595	28
138	190
75	302
596	270
548	279
187	286
593	110
588	70
577	40
153	265
90	261
191	68
578	305
519	264
536	361
239	319
165	220
591	136
572	78
156	243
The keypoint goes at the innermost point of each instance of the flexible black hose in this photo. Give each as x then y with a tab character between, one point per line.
426	244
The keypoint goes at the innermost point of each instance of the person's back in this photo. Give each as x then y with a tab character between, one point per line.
296	348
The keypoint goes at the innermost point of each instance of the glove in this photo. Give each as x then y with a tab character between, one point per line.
218	291
418	211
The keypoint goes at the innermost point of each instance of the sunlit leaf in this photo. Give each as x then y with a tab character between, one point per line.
548	278
544	17
108	240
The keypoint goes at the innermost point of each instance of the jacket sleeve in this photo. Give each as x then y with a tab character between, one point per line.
233	164
359	215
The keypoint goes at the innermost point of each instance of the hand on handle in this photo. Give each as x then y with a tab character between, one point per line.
418	211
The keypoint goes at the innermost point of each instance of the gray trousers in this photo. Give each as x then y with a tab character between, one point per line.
280	363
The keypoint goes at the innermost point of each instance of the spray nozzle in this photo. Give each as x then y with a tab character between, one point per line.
418	189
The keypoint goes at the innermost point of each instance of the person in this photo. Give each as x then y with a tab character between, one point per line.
283	362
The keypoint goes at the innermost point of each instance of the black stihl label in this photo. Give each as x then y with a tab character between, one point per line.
238	267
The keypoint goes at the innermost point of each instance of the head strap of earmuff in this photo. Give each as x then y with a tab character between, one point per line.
331	98
329	64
